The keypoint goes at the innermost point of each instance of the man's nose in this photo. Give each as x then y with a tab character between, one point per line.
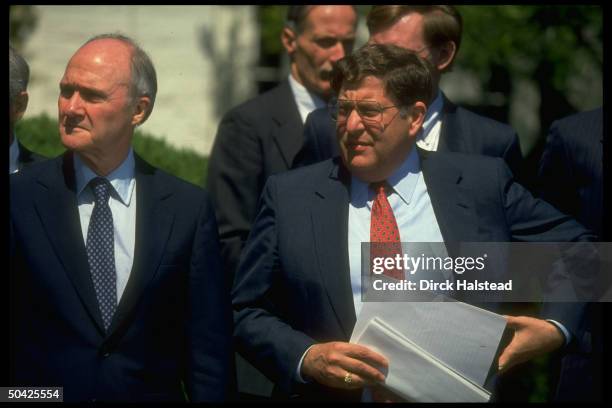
354	123
74	104
338	52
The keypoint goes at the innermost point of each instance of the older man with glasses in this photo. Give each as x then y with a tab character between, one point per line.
298	287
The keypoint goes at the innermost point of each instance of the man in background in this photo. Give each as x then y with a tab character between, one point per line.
571	178
19	76
262	136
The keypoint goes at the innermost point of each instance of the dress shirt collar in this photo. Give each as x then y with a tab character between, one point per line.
14	156
403	181
122	178
306	101
434	113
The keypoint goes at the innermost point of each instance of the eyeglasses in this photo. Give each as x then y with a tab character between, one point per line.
370	112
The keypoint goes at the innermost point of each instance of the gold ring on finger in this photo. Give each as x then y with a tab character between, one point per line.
348	378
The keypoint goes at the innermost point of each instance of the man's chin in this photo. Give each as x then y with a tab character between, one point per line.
72	142
323	89
359	165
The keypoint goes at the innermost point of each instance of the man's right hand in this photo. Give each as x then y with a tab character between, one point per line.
343	365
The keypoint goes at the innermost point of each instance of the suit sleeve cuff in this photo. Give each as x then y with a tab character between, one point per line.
566	334
298	374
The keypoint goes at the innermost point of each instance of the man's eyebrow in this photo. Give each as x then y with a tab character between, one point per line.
334	36
82	89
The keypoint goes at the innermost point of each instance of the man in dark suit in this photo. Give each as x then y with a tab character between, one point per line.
298	288
117	291
434	32
262	136
571	178
19	76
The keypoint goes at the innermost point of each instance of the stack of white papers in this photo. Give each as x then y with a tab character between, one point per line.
416	375
437	352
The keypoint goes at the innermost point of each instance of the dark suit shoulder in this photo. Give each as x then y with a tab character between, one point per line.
485	125
307	176
29	174
187	190
28	157
581	118
485	171
466	131
463	160
580	126
262	106
319	115
181	186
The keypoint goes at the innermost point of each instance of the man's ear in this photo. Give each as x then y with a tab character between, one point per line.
19	106
289	38
446	55
416	117
140	110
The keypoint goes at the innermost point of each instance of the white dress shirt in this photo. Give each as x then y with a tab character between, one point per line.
122	203
429	137
306	101
14	156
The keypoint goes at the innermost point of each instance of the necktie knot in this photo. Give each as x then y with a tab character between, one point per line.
381	188
101	189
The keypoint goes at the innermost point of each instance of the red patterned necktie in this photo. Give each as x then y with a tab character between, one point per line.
384	234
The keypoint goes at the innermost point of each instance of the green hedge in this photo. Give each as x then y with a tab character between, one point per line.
41	135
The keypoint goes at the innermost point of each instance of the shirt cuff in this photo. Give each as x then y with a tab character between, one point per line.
298	376
566	333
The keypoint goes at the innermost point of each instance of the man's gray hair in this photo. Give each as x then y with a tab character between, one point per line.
19	74
143	76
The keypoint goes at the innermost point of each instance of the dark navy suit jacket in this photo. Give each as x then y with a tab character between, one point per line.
571	168
571	178
255	140
173	322
462	131
293	286
27	157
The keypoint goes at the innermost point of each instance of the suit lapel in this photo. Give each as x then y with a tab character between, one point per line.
153	225
451	201
288	135
452	138
57	207
25	155
330	227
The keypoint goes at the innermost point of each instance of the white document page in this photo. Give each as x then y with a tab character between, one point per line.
462	336
414	374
